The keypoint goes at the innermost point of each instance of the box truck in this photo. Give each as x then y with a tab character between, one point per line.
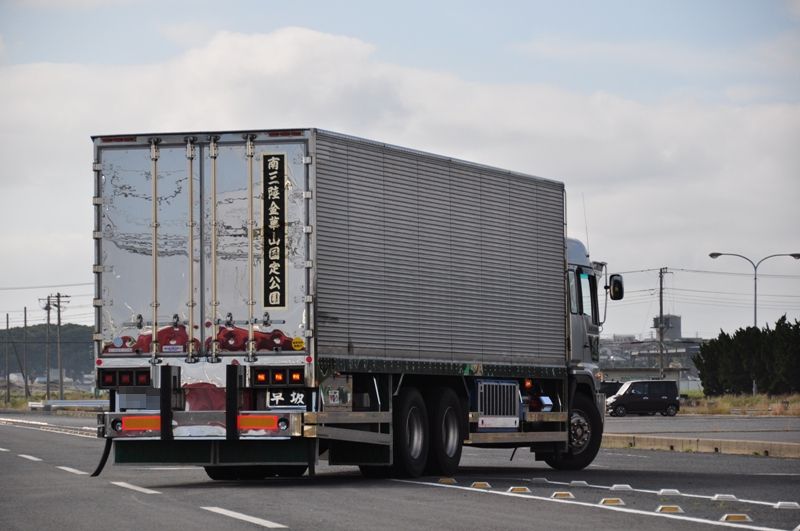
266	299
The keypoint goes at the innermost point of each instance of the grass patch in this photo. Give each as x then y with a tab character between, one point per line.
743	405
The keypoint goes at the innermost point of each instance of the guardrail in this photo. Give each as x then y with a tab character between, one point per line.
52	405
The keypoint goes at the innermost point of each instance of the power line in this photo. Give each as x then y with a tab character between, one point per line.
729	273
12	288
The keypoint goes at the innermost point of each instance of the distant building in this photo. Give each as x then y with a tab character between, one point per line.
672	326
624	356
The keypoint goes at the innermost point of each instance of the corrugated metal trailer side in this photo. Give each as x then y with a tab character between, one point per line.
422	258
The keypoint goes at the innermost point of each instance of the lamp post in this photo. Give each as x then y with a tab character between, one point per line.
755	265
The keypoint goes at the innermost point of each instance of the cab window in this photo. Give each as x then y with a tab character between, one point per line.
588	285
573	292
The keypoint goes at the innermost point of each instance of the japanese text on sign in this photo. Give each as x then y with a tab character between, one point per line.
274	231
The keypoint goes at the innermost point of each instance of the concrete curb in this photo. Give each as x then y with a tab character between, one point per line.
716	446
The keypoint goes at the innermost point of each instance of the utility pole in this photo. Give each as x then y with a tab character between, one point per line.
59	298
8	375
47	308
25	350
661	322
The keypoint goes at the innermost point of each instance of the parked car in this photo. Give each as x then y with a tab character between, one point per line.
610	388
645	397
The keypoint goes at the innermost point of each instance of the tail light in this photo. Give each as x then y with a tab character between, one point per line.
112	378
107	378
125	378
267	376
143	377
296	376
260	377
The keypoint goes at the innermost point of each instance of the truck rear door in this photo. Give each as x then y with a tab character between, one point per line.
221	252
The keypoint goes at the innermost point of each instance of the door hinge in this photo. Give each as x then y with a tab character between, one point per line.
307	159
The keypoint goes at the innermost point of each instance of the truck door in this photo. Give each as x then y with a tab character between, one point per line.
256	278
585	323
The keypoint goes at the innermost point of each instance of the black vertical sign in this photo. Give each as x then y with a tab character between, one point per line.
275	231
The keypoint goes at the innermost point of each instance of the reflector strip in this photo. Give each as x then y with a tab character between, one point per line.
144	423
257	422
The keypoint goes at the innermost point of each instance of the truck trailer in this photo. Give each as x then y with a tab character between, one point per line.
267	299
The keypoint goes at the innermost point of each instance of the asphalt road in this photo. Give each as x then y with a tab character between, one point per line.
44	485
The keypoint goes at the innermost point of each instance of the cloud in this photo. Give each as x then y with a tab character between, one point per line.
664	183
773	62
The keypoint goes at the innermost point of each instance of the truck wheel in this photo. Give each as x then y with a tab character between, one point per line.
444	453
619	411
410	434
585	436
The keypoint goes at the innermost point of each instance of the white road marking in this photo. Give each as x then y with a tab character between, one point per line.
73	470
245	518
134	487
4	450
52	428
593	505
29	457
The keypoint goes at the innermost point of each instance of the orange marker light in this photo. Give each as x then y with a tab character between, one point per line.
528	384
144	423
296	376
278	377
257	422
261	377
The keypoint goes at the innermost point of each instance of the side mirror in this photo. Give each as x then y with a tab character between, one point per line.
616	289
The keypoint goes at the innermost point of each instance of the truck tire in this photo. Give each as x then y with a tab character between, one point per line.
585	436
446	434
410	421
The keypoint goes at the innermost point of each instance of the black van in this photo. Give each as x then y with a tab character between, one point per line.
645	397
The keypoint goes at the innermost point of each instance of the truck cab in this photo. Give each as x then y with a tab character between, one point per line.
586	322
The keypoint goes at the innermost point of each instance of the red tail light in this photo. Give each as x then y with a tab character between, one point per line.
108	378
126	378
142	377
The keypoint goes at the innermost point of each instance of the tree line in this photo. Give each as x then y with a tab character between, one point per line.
769	356
77	355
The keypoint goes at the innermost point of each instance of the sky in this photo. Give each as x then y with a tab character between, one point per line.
674	125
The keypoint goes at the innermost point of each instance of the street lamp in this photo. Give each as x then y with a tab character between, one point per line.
755	265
